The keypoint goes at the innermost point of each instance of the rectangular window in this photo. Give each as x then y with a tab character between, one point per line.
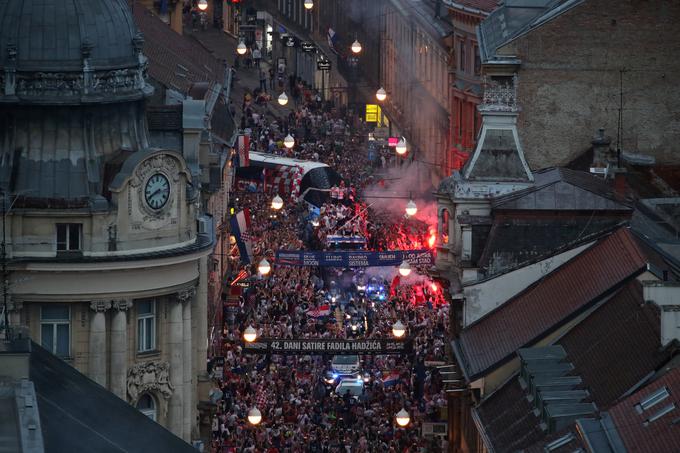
478	61
69	237
146	325
55	326
461	63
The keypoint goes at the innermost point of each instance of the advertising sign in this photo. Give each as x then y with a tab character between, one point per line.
326	346
307	46
348	258
372	113
323	65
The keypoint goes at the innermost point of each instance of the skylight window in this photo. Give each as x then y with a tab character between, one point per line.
653	399
660	414
561	442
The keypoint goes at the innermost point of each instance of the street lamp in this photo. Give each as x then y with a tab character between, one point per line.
315	222
356	46
398	329
381	94
403	418
308	4
241	49
255	416
250	334
289	141
264	267
404	268
401	146
411	208
277	202
283	99
202	5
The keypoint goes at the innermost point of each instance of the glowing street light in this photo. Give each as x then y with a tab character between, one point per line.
398	329
309	4
315	222
202	5
241	49
403	418
381	94
356	46
255	416
401	146
404	268
250	334
411	208
264	267
277	202
289	141
283	99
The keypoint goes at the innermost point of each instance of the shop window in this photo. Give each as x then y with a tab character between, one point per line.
444	223
55	329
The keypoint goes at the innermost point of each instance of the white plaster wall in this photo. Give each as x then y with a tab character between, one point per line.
485	296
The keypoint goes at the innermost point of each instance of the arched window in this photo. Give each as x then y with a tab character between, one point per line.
147	406
444	224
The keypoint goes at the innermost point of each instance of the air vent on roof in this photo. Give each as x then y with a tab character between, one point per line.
659	414
651	400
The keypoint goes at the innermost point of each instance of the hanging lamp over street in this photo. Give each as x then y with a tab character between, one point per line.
254	416
283	99
241	49
356	46
403	418
202	5
398	329
277	202
411	208
250	334
401	146
381	94
289	141
405	269
309	4
264	267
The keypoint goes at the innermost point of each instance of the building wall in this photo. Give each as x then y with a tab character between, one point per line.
569	80
465	86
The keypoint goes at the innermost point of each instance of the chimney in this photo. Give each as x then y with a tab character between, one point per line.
601	153
666	295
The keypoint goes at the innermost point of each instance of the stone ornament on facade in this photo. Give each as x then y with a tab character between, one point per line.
149	377
186	295
100	305
14	304
500	97
122	304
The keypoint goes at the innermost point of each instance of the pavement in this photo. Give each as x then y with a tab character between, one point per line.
223	47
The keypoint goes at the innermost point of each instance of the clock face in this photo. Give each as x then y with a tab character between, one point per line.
157	191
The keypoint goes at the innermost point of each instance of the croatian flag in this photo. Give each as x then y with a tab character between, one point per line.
323	310
243	146
332	39
240	228
390	378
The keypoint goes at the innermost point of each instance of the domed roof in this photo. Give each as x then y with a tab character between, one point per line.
70	51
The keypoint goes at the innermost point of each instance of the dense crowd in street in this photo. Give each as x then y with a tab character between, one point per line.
300	412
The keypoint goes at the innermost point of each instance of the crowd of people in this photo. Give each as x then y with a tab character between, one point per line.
300	410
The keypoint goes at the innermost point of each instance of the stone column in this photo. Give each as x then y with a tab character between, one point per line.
119	348
186	297
96	368
201	317
176	353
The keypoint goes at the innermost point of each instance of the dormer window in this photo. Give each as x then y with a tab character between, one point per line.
69	237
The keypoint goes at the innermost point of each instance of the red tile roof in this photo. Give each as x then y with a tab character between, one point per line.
549	302
659	436
175	61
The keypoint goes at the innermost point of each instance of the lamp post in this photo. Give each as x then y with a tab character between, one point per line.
264	267
356	46
398	329
202	5
277	202
401	146
283	99
289	141
250	334
309	4
403	418
254	416
241	48
381	94
411	208
405	268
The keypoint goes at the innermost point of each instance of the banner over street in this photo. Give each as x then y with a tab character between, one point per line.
325	346
354	258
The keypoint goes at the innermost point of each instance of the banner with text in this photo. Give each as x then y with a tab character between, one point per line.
325	346
354	258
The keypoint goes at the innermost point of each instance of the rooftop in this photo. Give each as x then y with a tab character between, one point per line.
581	282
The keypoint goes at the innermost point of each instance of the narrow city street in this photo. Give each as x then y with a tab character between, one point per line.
311	402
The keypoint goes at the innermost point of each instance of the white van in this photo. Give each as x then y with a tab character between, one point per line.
346	365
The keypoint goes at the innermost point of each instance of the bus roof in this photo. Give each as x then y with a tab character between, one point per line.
270	160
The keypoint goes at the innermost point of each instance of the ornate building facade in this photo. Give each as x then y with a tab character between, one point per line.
106	250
